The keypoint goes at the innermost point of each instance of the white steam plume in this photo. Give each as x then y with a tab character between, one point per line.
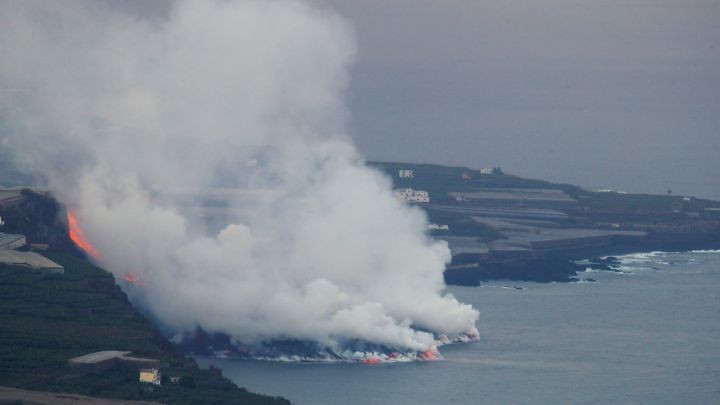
128	119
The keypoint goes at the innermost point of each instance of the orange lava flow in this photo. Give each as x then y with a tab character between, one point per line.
372	360
77	236
133	279
428	355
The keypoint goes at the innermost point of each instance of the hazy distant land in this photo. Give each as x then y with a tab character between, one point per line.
499	226
502	226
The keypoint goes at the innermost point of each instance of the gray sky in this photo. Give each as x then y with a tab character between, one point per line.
619	94
600	93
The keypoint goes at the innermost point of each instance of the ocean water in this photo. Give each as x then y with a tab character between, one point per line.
648	334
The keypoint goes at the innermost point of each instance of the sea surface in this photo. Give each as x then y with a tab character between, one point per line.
648	334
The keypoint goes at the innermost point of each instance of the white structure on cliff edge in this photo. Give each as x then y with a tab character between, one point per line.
406	174
11	241
150	376
409	195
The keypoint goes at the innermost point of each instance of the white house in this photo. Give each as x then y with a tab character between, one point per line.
486	170
406	174
409	195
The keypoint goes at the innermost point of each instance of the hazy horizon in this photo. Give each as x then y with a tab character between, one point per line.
608	94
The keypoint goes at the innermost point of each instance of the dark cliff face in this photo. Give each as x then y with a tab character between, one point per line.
41	218
560	266
542	270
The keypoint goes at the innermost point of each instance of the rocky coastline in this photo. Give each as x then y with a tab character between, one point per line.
563	266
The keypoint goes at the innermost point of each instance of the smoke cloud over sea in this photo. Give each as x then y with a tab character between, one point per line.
238	106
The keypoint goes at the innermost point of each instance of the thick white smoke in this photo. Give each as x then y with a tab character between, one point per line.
234	107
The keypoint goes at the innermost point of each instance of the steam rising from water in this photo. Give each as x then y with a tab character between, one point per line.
137	123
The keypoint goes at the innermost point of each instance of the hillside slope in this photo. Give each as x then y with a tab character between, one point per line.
46	319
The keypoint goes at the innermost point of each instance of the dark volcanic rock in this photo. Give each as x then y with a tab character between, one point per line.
41	219
610	263
539	270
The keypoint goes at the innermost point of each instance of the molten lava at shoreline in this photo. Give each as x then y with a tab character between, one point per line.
78	236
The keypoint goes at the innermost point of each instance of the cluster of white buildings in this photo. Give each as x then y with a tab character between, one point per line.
409	195
406	174
438	227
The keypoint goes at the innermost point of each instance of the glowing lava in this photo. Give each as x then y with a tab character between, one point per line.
133	279
429	355
77	236
372	360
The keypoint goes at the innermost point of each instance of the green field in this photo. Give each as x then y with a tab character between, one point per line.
439	180
46	319
462	225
